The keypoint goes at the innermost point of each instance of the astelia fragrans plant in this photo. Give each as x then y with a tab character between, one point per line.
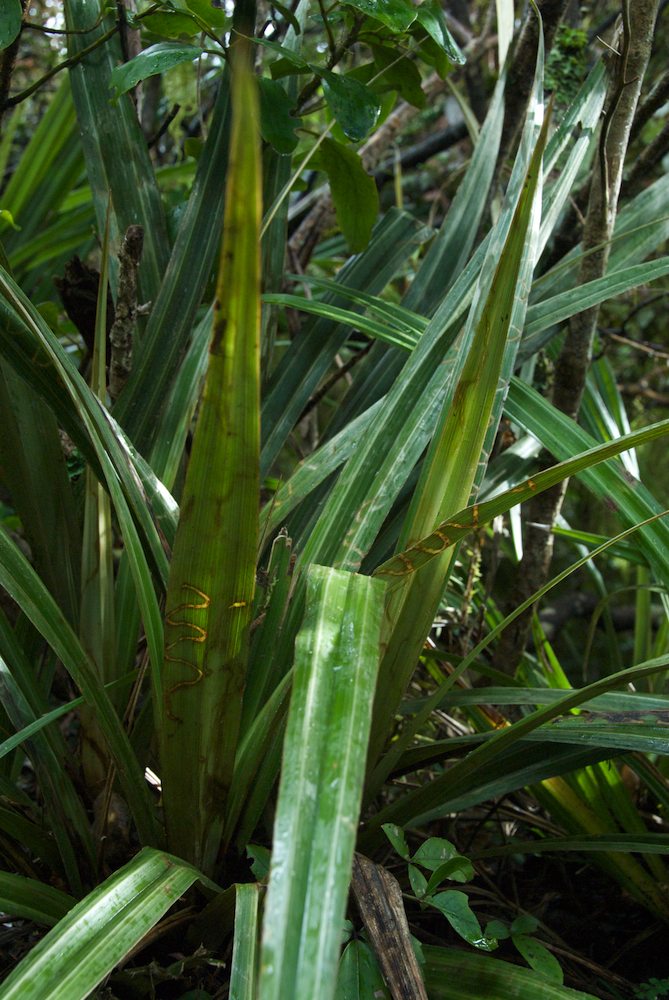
229	612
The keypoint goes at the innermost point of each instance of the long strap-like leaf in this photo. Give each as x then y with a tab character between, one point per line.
212	576
325	748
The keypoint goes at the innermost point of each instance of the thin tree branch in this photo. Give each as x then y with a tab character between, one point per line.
627	72
11	102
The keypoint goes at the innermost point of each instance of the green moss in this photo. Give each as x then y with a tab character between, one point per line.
567	64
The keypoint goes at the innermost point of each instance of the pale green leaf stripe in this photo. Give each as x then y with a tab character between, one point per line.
336	657
563	437
32	900
12	742
394	239
173	313
22	582
447	533
99	931
314	469
451	247
618	702
421	804
514	769
48	145
403	329
115	462
641	226
426	294
637	843
584	114
449	472
435	700
547	313
339	315
642	737
453	974
128	173
245	947
387	312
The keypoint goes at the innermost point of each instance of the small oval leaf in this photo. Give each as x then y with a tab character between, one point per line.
457	869
359	974
213	16
395	835
354	106
418	881
539	958
434	852
455	907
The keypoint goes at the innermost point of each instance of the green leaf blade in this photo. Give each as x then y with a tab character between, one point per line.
32	900
99	931
353	190
321	785
208	611
156	59
355	106
11	16
395	14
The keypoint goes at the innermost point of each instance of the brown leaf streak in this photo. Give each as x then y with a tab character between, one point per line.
198	634
407	566
457	526
433	550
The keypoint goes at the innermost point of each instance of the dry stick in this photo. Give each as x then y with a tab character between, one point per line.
627	72
121	333
381	906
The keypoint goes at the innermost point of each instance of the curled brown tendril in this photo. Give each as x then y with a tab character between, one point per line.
197	634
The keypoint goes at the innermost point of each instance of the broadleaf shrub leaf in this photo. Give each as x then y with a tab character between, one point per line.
398	15
354	106
212	15
359	974
354	193
156	59
539	958
418	881
434	852
10	22
457	869
455	907
401	75
277	125
171	24
395	835
431	16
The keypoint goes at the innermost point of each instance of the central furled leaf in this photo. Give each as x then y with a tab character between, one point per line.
212	576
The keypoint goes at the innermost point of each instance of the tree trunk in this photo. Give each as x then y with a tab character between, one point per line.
627	69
